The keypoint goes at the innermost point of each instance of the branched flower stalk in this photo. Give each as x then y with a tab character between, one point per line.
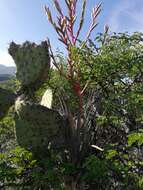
65	28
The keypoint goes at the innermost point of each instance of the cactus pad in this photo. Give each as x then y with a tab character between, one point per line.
37	126
32	62
47	99
6	100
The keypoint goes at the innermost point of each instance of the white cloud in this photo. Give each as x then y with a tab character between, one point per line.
6	59
127	16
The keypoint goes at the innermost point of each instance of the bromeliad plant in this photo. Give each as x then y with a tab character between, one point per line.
80	124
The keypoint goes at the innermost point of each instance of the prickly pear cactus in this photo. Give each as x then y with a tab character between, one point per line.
32	62
37	125
47	99
6	100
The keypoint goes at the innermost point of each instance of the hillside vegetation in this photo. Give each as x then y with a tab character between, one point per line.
87	132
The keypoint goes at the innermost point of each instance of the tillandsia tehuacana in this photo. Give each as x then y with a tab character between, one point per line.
65	26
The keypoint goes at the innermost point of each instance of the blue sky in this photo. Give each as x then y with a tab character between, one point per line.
22	20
